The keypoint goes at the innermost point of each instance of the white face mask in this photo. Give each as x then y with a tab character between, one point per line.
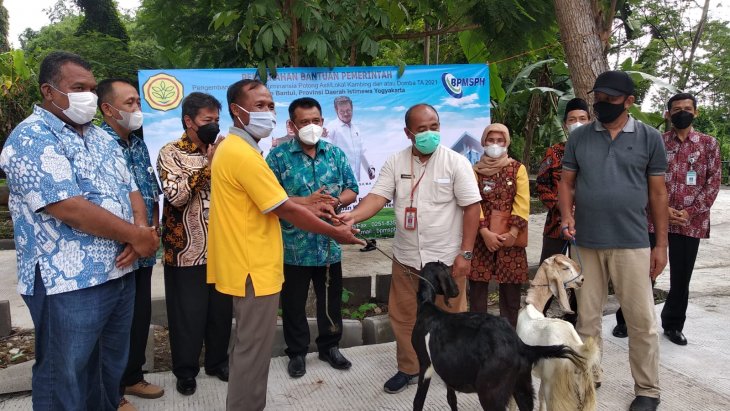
495	150
260	123
310	134
573	126
130	121
81	106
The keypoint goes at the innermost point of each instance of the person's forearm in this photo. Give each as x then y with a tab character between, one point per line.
303	219
471	226
660	215
566	194
347	197
139	210
89	218
368	207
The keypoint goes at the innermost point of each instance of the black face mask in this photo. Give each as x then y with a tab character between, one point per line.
682	119
607	112
208	133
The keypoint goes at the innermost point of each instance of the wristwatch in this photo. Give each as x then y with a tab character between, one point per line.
468	255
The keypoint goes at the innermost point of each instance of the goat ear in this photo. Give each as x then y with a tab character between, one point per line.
556	284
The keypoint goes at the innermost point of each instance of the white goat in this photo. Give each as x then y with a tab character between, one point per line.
563	385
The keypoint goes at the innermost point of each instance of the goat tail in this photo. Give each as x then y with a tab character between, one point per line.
536	353
591	353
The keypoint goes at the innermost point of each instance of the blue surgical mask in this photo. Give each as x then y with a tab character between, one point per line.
427	141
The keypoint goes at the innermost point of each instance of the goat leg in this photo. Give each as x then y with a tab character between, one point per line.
451	398
420	397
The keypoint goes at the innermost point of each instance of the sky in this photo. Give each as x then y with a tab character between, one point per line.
25	13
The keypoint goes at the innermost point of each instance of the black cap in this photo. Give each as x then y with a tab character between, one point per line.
575	104
614	83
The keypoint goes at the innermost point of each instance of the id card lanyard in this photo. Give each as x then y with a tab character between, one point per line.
411	217
691	174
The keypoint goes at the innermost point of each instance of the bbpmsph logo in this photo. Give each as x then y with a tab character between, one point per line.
452	86
163	92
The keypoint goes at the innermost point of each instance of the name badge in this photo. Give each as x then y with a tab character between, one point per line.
691	178
411	219
408	176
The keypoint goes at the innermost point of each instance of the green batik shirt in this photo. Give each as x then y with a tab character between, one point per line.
301	175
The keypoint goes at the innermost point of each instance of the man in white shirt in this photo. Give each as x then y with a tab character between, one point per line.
346	135
436	202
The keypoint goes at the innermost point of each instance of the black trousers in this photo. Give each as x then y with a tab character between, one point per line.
682	256
293	302
550	247
196	313
509	299
140	327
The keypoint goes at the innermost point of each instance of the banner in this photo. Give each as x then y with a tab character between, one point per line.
363	110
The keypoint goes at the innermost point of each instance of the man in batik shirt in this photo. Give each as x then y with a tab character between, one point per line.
119	103
311	170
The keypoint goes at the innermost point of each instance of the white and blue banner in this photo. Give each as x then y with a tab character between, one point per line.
379	100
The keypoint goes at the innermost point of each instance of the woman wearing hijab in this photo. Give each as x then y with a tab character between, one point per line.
505	191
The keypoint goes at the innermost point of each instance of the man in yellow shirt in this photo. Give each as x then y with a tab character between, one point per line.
245	252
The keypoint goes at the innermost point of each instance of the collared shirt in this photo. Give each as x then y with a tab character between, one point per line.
447	185
47	161
612	183
704	151
347	137
301	175
548	178
185	179
245	236
139	164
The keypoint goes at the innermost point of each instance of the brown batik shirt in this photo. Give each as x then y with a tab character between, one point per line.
185	180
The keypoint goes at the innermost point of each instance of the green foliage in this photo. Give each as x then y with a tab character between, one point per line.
4	27
109	56
18	90
101	16
360	312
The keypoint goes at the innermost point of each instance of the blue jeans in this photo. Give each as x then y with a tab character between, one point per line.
81	344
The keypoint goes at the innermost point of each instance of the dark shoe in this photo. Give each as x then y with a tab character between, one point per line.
676	337
619	331
297	367
335	358
370	245
186	386
399	382
642	403
221	373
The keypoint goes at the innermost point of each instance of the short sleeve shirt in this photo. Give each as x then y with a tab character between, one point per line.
301	175
447	184
138	161
612	183
347	137
47	161
244	235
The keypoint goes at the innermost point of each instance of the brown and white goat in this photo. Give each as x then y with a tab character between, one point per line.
473	352
564	386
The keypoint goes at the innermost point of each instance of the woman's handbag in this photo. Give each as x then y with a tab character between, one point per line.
499	223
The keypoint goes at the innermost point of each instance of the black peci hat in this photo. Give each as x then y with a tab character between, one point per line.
575	104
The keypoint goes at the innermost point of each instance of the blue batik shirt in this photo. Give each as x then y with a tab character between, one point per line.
301	175
139	164
47	161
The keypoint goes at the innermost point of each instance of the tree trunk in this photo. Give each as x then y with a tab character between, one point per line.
294	36
581	34
533	117
427	47
684	77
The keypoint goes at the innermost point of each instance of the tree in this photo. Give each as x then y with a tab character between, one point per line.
101	16
4	27
584	33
